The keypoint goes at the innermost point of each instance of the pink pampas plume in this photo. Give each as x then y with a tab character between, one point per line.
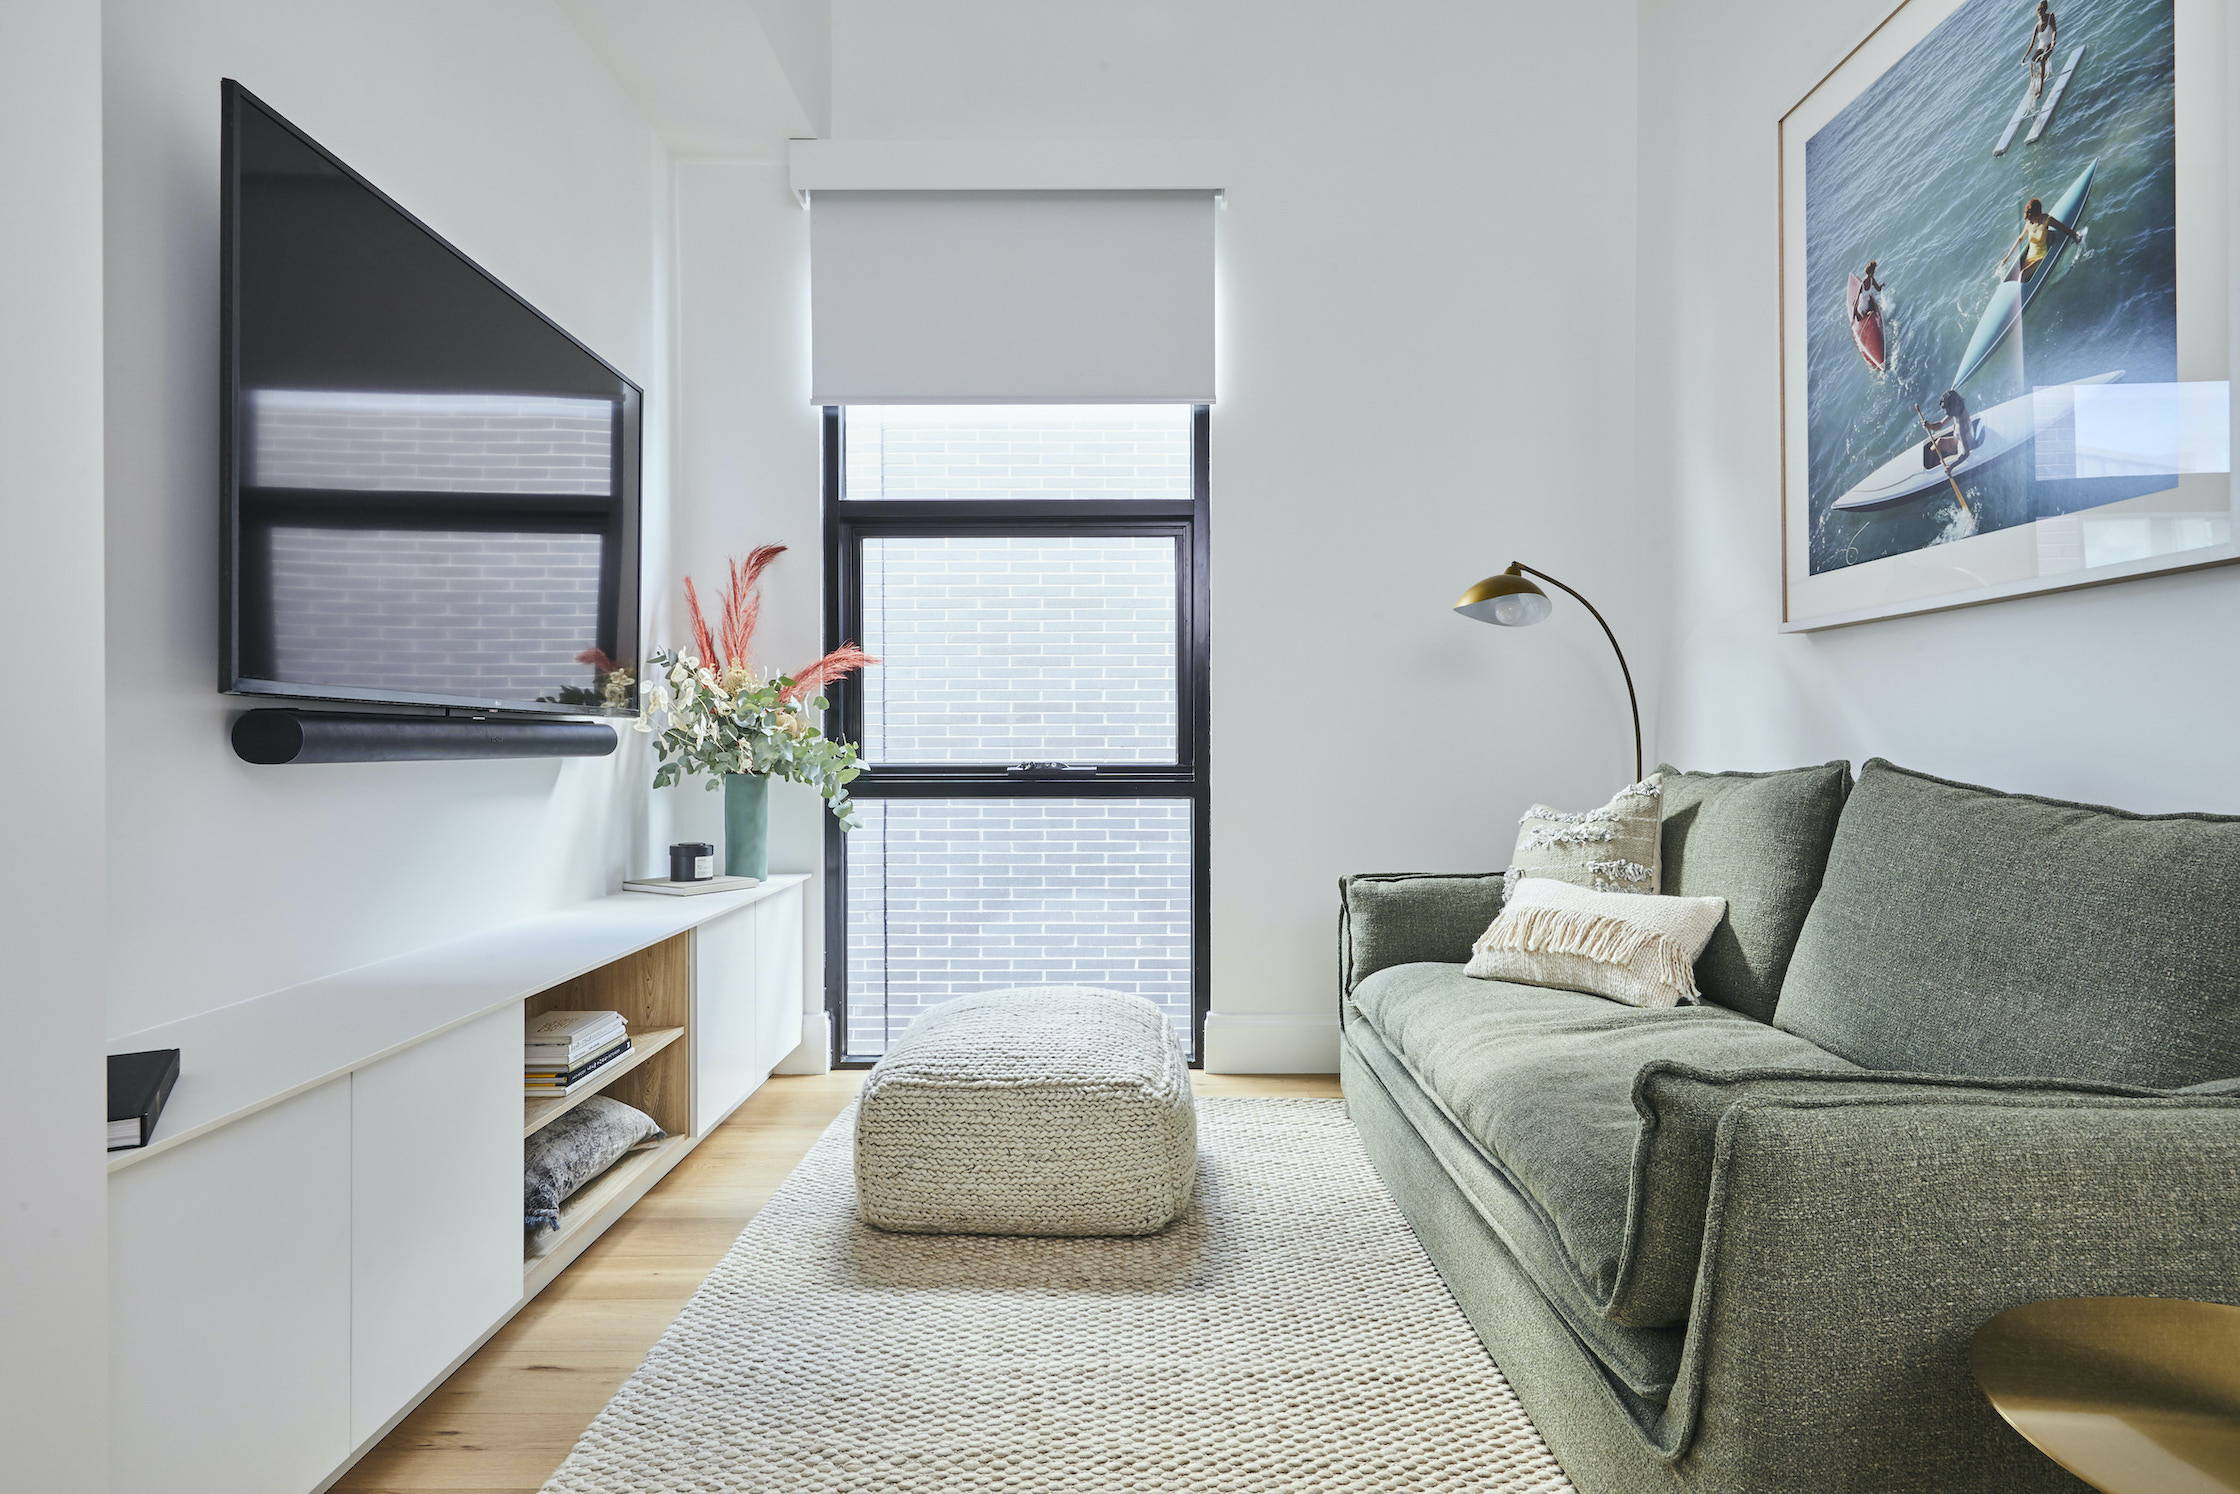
742	602
700	637
846	659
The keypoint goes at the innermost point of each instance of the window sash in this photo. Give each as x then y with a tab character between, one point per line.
850	520
849	703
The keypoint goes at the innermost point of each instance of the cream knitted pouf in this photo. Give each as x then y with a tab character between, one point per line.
1039	1110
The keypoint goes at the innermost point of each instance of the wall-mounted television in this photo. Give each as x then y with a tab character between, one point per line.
430	491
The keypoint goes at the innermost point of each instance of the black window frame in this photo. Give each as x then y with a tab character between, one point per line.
849	521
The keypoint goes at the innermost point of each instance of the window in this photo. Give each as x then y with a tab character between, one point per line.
1033	801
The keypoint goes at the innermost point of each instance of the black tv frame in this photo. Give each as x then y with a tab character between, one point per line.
620	590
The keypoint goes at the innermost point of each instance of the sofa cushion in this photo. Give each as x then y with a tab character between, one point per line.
1642	1363
1543	1081
1961	930
1610	848
1627	946
1759	840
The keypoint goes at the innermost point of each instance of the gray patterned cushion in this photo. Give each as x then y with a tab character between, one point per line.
1759	840
559	1158
1050	1110
1961	930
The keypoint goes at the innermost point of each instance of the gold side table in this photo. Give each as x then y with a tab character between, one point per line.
2134	1395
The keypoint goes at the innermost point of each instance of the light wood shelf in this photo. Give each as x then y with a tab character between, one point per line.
598	1205
537	1114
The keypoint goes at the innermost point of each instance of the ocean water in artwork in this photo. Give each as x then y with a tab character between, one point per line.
1906	176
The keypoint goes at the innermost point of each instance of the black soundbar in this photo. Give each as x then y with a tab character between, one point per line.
274	736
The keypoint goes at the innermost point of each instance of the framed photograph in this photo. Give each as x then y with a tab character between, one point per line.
2006	316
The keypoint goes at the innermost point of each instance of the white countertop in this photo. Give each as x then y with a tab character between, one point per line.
239	1059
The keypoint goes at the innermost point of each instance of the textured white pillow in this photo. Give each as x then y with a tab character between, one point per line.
1611	849
1633	947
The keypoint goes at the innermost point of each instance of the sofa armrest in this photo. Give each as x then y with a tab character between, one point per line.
1853	1247
1398	918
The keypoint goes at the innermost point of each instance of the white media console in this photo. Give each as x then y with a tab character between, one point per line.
329	1219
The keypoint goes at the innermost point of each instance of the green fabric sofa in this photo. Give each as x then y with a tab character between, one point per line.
1960	1050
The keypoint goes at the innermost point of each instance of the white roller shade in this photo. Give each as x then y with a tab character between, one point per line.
1011	297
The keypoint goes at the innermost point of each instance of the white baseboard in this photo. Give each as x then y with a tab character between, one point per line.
814	1055
1271	1042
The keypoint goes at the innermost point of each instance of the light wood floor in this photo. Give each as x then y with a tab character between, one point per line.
505	1421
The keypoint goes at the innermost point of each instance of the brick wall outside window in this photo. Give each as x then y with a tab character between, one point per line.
951	896
1006	650
1023	451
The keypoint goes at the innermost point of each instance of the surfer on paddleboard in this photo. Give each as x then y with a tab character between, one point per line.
2038	227
1870	294
2038	56
1952	438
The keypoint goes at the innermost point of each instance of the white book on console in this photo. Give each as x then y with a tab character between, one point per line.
591	1039
668	887
565	1032
568	1058
550	1026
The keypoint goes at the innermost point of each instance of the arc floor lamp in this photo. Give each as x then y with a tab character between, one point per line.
1510	600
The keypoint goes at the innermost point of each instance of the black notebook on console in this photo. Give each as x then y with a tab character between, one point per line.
139	1083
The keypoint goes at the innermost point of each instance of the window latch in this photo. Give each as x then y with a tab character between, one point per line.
1050	770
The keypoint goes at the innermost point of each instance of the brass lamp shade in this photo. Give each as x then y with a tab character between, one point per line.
1508	600
1512	600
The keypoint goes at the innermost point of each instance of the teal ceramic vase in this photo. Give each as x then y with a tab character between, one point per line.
746	825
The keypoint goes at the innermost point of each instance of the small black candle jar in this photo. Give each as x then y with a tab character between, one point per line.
691	861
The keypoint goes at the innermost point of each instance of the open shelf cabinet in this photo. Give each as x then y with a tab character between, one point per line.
652	989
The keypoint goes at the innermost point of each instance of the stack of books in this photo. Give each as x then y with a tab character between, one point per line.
566	1049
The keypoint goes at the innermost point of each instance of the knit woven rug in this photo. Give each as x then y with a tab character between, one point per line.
1287	1334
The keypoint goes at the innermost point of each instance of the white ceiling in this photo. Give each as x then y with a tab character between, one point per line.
718	77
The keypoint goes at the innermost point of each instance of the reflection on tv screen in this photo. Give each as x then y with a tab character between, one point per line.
435	488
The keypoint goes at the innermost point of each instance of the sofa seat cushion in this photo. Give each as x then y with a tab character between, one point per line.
1543	1081
1642	1363
1759	840
1965	931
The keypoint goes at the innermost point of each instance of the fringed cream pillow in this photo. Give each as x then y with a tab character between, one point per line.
1611	849
1632	948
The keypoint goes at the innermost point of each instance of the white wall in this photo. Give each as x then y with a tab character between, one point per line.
748	471
53	1203
497	124
2121	694
1426	370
